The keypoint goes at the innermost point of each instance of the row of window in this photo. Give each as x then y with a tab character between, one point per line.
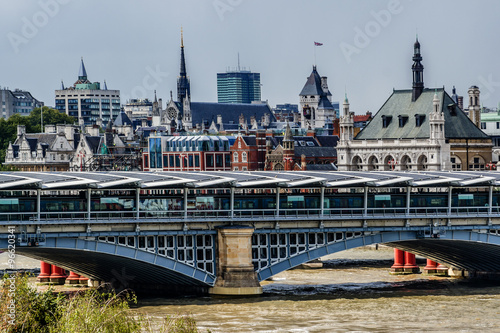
236	157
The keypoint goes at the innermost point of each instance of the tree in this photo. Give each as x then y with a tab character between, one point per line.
50	117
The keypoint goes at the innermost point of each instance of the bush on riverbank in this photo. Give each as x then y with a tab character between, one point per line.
23	309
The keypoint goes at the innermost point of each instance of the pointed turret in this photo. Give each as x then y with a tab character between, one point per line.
346	123
183	89
82	74
454	95
345	106
418	72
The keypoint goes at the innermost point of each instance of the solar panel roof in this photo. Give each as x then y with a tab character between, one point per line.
214	179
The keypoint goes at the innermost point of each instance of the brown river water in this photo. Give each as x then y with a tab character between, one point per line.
357	294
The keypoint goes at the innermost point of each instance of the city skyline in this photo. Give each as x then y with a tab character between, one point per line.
366	52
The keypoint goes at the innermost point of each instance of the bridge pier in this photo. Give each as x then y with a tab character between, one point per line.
441	270
431	267
399	262
404	263
45	271
235	271
58	275
73	278
410	264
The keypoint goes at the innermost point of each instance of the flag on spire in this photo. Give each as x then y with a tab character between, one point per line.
317	44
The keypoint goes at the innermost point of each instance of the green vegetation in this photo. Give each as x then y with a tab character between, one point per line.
91	310
8	128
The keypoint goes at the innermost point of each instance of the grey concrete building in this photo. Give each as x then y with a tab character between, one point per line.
17	102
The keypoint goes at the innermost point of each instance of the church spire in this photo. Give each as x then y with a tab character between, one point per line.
418	72
183	89
82	74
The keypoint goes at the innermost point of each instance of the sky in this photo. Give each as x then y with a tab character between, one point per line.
366	52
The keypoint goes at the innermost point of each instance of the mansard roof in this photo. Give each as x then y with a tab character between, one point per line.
324	103
202	111
122	120
313	85
399	104
315	151
93	142
327	140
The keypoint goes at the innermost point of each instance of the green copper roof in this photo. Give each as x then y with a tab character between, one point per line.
457	124
490	116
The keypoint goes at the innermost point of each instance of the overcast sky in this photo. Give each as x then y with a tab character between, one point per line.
367	45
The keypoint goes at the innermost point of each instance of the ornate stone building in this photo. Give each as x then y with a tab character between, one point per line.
183	115
316	102
417	129
49	151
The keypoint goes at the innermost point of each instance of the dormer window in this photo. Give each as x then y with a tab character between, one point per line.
402	120
453	109
386	120
419	119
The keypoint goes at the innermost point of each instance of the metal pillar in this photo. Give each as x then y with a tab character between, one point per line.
450	190
365	201
137	205
322	201
89	192
408	197
277	201
38	208
232	202
185	203
490	200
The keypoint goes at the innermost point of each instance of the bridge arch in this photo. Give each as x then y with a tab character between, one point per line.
468	250
116	263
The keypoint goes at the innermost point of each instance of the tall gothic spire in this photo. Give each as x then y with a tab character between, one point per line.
418	72
183	89
82	74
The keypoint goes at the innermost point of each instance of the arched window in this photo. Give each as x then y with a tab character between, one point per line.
476	163
389	163
456	163
278	167
235	157
243	156
422	162
406	163
356	163
373	163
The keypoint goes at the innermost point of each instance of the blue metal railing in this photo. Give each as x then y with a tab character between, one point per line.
268	214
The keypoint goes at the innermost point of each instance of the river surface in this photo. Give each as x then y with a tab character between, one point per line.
357	294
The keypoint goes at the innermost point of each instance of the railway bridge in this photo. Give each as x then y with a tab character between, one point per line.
225	232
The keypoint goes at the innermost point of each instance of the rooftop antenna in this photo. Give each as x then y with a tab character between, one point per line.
238	61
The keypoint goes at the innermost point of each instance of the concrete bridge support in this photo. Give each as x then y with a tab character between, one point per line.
235	271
